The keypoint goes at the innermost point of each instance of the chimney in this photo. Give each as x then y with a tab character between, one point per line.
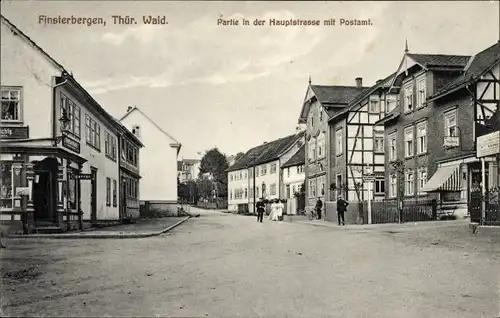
359	82
129	108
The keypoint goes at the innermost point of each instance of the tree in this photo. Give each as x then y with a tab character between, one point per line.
214	164
398	166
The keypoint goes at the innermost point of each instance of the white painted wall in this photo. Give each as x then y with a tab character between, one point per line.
157	161
23	66
106	168
237	183
295	179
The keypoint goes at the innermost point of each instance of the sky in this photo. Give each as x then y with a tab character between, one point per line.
235	87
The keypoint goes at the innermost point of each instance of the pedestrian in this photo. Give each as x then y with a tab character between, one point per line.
260	210
319	206
280	207
273	216
341	209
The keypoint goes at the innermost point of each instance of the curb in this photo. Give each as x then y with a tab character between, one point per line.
100	236
408	225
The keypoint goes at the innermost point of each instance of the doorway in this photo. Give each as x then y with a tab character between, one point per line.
475	191
93	195
45	189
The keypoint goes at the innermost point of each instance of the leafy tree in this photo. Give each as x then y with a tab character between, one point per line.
214	164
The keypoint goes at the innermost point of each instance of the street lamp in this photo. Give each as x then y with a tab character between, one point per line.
64	121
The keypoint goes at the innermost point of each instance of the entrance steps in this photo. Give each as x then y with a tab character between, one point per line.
48	229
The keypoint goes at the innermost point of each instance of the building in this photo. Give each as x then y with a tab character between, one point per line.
357	147
293	174
267	160
188	170
157	161
56	174
454	97
320	103
130	176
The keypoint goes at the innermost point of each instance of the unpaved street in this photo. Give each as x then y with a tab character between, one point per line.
227	265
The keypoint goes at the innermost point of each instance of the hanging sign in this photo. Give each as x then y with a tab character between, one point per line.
488	145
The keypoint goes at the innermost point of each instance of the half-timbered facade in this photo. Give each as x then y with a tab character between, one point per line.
357	146
452	96
321	103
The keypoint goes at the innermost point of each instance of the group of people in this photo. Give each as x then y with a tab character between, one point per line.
277	208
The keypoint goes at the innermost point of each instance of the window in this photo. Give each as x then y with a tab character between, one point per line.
272	190
273	168
92	132
246	175
322	186
301	169
409	182
393	185
250	193
338	142
390	104
115	203
312	149
312	119
312	188
321	146
408	98
409	142
288	171
11	104
231	194
374	106
231	177
263	170
108	191
110	145
130	153
421	179
339	184
288	194
257	192
393	147
136	130
379	186
320	115
10	180
378	141
241	175
256	171
73	111
246	193
422	138
450	124
421	93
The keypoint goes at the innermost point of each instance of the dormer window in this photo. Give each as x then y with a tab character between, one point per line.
136	130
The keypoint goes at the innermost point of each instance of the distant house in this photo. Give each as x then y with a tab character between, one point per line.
267	160
293	174
188	170
157	161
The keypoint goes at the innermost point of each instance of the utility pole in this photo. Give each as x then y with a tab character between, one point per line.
254	156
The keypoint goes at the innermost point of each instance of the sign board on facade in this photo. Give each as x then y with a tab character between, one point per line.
451	141
83	176
488	145
22	191
14	132
71	144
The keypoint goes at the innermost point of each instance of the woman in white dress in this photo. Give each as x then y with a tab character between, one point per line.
273	216
280	207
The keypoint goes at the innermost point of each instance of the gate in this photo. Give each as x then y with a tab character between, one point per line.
475	205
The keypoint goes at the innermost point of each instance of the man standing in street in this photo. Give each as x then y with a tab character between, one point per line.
260	210
341	208
319	206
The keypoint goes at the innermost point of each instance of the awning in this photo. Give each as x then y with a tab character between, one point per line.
444	179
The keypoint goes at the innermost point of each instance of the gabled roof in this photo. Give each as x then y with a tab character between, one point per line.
176	143
477	66
32	43
297	159
387	118
442	60
266	152
128	133
335	94
65	75
331	95
362	95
